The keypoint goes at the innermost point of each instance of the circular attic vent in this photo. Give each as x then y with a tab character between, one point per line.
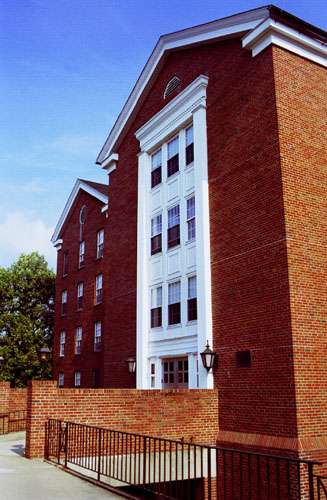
171	86
82	214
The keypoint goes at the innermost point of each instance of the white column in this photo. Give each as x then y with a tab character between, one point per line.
142	308
203	264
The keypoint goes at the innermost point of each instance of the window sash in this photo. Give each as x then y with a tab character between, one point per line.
62	343
173	216
173	148
174	292
156	317
61	379
97	336
77	379
192	311
81	253
79	295
78	340
98	289
100	243
191	287
156	225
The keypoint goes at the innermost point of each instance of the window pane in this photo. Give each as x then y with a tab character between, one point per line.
191	207
156	225
192	287
173	148
173	216
189	135
173	237
174	313
174	292
156	160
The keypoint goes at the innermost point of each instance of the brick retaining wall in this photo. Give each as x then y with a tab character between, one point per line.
173	414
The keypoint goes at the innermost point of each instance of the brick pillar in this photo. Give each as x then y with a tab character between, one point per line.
4	397
40	399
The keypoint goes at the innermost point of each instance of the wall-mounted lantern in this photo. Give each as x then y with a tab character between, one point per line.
43	355
131	365
209	358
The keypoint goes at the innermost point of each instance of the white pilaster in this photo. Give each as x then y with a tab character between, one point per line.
203	264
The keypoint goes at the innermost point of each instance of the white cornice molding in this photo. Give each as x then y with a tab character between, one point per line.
221	29
272	32
173	115
110	162
58	244
79	184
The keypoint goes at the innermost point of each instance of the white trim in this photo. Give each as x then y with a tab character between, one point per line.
109	163
188	106
79	184
272	32
58	244
173	116
221	29
104	208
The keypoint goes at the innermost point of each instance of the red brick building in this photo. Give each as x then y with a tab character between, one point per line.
215	230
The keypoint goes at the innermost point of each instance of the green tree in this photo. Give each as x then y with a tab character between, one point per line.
27	291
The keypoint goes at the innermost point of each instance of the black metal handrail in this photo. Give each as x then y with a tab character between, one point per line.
171	469
13	421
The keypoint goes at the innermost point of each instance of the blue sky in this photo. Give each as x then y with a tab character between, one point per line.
67	68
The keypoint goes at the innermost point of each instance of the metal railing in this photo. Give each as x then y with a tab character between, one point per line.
13	421
151	467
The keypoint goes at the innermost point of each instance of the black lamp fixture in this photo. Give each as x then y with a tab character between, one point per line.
131	365
2	361
209	358
43	355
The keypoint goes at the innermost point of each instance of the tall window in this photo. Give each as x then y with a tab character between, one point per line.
65	264
79	296
77	379
64	302
173	161
192	313
174	303
190	209
189	150
62	343
156	162
156	232
100	239
156	307
173	227
61	379
98	289
97	336
81	253
78	340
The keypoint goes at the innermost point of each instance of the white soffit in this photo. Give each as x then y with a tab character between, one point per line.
272	32
79	184
221	29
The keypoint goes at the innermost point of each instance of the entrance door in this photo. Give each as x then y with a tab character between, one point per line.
175	373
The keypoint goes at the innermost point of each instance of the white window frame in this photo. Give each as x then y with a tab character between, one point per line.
64	297
78	340
100	243
97	336
77	379
190	219
155	165
80	291
62	343
61	379
156	230
98	289
174	221
81	258
172	295
188	144
191	295
156	303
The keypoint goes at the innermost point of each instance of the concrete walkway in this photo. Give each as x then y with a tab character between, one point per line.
23	479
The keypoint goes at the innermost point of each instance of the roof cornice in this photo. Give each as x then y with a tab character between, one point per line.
259	28
271	31
221	29
79	185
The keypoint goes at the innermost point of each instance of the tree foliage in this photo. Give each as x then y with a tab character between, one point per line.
27	291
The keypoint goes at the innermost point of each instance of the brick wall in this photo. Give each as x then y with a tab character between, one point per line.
301	96
168	413
12	399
